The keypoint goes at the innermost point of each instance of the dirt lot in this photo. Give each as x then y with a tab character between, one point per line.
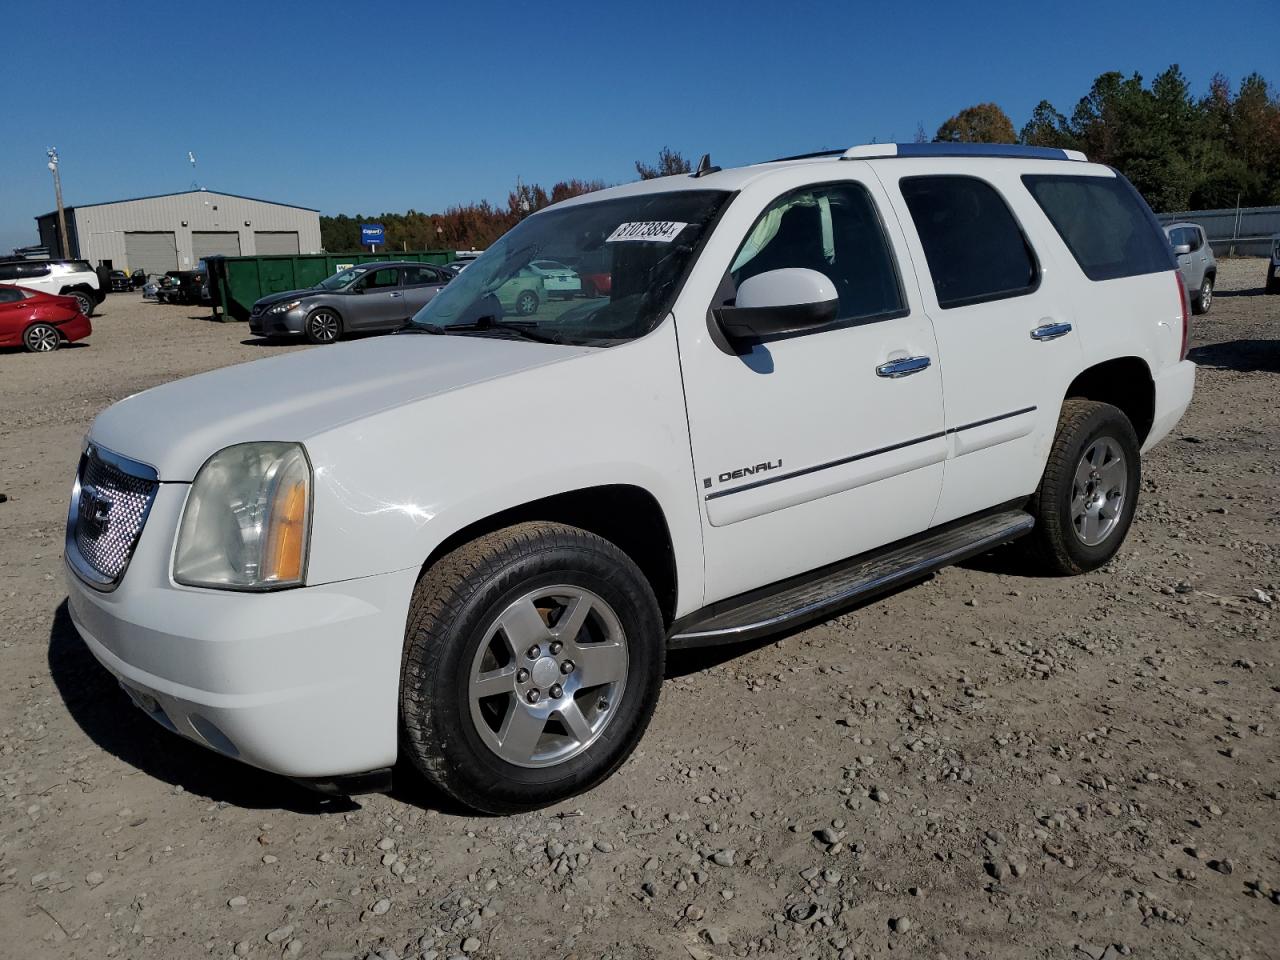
985	765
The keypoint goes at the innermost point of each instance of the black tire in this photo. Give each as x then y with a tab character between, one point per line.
527	303
1055	543
1203	299
1273	284
322	326
456	605
41	338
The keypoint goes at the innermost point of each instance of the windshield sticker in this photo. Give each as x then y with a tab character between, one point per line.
651	231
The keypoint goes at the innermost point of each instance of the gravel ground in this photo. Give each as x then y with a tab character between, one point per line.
985	765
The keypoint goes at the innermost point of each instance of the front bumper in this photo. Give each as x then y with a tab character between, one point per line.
277	324
1175	386
303	682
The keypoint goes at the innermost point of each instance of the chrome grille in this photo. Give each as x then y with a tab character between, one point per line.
109	507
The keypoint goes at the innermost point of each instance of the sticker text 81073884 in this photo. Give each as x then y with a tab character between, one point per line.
652	231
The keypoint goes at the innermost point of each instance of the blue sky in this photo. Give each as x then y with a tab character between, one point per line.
360	108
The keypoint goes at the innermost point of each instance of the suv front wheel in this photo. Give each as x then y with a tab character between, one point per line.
1087	497
533	660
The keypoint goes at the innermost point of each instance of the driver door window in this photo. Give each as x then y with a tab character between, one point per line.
835	230
381	280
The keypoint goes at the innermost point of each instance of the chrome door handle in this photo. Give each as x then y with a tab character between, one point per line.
1050	331
397	294
902	368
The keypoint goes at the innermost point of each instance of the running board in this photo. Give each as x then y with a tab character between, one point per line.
818	594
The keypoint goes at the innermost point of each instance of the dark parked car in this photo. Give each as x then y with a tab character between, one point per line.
40	322
185	286
120	282
366	297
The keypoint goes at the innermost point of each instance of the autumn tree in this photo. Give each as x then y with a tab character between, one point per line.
983	123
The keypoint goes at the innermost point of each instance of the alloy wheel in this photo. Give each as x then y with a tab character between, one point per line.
1098	491
548	676
41	338
324	327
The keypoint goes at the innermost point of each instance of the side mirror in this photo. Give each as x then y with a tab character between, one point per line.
1179	249
790	300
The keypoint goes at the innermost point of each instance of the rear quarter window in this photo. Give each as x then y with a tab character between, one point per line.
1105	223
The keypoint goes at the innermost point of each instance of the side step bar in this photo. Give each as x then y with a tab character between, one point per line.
820	593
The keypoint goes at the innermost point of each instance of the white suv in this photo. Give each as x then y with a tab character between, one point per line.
469	549
71	278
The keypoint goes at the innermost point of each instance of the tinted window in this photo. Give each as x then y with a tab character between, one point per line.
415	276
23	270
975	247
835	230
1105	224
11	296
386	277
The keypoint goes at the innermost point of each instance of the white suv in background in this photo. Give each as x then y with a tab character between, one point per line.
71	278
468	547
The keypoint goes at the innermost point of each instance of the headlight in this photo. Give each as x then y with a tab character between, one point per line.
247	521
285	307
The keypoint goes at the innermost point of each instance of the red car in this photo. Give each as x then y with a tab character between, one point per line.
39	321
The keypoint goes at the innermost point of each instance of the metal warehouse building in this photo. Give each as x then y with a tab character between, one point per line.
174	230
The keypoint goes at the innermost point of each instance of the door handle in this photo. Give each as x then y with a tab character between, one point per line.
894	369
1050	331
397	295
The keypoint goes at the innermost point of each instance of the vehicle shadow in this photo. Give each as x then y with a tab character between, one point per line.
1243	356
1250	292
104	712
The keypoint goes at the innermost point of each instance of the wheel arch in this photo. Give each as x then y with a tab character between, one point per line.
1123	382
628	516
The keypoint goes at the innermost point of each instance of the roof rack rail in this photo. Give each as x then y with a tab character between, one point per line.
869	151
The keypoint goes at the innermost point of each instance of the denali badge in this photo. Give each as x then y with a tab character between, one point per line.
743	472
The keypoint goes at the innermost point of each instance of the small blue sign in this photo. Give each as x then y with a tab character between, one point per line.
372	233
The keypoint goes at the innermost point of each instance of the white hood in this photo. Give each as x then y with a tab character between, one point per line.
177	426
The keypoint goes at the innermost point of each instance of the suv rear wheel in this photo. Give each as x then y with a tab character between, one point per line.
532	665
83	301
1087	497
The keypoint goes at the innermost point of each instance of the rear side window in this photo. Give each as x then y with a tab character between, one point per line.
975	247
11	296
1105	224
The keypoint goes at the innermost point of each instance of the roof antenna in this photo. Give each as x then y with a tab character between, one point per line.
704	167
191	158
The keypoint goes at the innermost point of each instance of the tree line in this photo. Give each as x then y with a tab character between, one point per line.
1182	151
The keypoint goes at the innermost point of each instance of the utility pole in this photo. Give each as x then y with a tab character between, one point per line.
62	216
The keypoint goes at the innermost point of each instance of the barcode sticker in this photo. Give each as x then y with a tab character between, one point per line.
652	231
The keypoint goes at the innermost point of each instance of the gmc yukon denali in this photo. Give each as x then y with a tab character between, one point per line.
467	548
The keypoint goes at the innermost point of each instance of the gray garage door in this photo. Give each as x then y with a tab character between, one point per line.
214	244
268	242
151	252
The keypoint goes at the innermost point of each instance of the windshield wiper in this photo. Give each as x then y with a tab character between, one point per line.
411	327
526	329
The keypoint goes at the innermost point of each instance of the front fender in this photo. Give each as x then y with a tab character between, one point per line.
392	487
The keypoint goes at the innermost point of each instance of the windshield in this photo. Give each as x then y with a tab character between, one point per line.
341	279
618	264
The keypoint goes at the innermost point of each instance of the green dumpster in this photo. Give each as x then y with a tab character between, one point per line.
236	283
